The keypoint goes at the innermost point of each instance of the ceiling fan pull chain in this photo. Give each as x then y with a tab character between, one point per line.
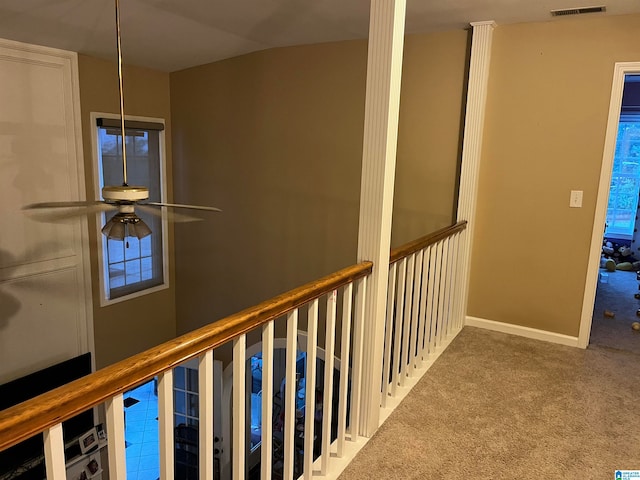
121	91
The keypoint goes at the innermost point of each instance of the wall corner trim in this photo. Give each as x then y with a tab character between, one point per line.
521	331
491	23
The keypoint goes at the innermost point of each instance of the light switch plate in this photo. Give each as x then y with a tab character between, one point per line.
576	199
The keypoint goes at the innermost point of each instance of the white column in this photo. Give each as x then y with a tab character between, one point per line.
471	152
382	103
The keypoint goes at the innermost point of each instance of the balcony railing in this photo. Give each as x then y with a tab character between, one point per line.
422	316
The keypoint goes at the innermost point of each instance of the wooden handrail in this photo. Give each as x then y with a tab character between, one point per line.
36	415
422	242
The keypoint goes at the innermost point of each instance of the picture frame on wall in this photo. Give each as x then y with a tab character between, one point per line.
93	467
102	434
88	441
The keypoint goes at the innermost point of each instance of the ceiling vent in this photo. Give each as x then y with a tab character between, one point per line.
578	11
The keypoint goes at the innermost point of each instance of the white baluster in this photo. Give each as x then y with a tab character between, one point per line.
327	396
457	316
442	307
415	322
434	286
386	366
310	384
205	421
356	378
423	306
402	276
449	299
115	432
408	297
266	444
165	424
345	343
290	394
239	409
54	453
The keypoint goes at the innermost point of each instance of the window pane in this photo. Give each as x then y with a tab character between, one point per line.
132	268
108	143
147	268
133	250
129	140
145	243
115	250
180	404
192	400
625	184
142	144
192	421
180	420
192	380
178	378
116	275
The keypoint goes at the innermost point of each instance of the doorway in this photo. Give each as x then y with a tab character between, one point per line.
612	298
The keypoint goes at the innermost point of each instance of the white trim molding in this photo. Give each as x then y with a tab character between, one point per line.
472	151
591	282
521	331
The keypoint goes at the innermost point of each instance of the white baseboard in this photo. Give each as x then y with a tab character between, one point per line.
522	331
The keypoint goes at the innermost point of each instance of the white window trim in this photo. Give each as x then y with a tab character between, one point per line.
101	239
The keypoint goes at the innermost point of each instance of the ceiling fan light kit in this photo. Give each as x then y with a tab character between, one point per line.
123	225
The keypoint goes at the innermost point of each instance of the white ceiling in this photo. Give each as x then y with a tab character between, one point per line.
172	35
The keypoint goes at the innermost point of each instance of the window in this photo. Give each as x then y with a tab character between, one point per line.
185	396
132	267
186	422
625	179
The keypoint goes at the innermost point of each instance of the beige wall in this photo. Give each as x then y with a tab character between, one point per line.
547	106
131	326
274	138
431	103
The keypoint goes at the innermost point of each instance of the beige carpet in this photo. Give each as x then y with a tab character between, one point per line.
496	406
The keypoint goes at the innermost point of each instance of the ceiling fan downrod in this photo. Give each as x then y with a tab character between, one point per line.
121	94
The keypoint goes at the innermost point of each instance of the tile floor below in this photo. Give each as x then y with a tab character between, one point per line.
141	434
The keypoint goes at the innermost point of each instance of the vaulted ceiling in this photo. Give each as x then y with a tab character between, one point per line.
172	35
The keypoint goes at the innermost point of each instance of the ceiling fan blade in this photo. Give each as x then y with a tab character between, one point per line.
81	203
181	205
58	211
172	216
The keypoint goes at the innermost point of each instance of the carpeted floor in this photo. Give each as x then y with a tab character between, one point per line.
616	296
496	406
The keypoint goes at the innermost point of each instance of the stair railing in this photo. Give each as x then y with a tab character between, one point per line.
423	311
46	412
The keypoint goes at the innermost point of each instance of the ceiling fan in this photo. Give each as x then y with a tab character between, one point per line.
124	199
